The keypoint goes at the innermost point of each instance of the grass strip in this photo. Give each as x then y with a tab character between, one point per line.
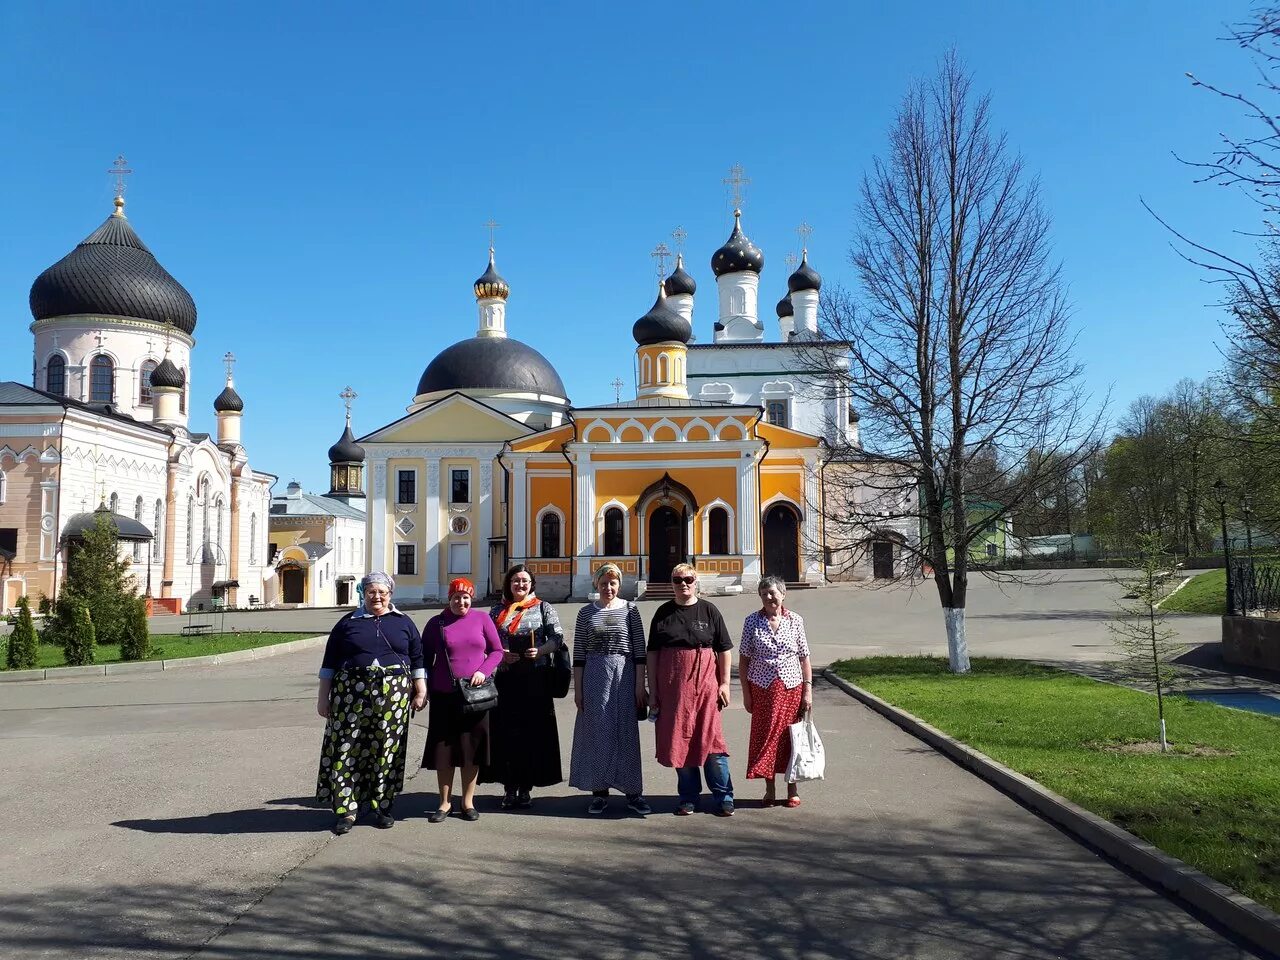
1214	803
1206	593
173	646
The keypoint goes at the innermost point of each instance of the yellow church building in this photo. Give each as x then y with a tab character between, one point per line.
492	464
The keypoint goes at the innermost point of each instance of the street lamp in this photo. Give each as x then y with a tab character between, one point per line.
1220	493
1246	508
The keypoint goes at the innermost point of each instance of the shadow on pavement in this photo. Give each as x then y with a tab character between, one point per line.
782	885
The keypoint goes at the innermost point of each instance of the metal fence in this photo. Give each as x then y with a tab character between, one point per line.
1254	587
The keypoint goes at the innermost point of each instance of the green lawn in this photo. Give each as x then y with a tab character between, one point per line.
173	646
1218	810
1206	593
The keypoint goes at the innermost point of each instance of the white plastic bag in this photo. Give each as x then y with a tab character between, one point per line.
807	758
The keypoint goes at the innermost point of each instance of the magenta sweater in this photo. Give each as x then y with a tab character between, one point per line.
473	645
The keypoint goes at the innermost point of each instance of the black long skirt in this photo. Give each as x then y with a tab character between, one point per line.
524	742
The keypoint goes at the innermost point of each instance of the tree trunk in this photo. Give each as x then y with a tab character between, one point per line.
957	644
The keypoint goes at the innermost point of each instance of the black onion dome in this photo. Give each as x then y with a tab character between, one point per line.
491	284
492	363
346	450
785	307
661	324
805	277
167	374
228	401
738	252
112	273
679	281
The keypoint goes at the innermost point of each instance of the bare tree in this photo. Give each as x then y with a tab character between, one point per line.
958	343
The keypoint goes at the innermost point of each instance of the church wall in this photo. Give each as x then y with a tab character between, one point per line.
554	492
21	511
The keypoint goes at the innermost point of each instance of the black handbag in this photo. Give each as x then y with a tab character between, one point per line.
560	676
475	700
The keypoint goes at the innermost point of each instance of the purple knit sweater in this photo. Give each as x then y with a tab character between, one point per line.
473	644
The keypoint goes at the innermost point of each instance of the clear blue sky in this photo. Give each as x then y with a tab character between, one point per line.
317	175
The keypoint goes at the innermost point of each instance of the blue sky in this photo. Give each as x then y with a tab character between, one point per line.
318	175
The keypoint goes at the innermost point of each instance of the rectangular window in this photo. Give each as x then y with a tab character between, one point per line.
991	550
406	486
776	413
459	558
460	485
9	540
406	559
272	550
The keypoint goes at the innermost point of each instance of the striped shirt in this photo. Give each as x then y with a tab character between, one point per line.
603	633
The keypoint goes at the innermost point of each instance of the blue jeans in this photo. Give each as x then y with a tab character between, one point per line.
689	781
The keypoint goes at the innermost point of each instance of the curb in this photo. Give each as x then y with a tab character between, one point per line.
155	666
1246	918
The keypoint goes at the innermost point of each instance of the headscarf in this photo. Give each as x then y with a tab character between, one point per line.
462	585
377	577
610	569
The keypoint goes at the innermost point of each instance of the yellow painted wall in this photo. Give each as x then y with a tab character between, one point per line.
789	484
556	492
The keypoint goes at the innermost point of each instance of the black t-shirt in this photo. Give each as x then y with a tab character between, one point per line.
698	625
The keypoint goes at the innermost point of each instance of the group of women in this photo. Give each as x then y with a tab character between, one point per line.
377	667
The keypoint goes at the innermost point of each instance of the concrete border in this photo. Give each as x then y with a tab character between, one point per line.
155	666
1246	918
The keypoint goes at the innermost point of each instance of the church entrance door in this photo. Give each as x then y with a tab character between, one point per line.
882	560
782	543
666	543
292	581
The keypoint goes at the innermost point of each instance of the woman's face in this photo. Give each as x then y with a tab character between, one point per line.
459	603
377	599
520	586
608	587
772	598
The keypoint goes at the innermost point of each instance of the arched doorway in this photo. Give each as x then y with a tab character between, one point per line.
293	584
666	543
782	542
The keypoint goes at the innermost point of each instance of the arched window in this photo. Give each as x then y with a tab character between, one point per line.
191	527
253	539
182	394
55	375
114	503
144	382
644	369
102	379
137	515
718	531
614	541
158	542
549	535
221	512
662	368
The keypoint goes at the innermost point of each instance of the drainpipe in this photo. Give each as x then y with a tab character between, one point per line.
757	519
506	484
571	531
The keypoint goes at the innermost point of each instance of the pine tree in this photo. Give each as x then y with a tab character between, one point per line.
1145	642
99	579
77	633
136	644
23	645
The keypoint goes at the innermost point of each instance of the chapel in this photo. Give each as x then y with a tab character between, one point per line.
718	460
104	430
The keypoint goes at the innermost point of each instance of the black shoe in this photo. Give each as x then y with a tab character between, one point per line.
343	825
509	800
439	815
383	821
471	814
523	800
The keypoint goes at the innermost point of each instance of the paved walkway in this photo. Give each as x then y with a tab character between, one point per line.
165	815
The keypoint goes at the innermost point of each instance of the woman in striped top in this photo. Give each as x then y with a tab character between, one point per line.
609	692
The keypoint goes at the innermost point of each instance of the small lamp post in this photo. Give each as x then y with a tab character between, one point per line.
1246	508
1220	493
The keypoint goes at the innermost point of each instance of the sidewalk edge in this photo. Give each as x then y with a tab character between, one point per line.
1246	918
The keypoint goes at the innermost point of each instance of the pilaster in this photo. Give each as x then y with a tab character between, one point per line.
431	586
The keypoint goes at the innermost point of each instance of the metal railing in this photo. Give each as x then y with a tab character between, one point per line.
1255	587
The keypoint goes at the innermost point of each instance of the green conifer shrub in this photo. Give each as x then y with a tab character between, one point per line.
136	644
23	653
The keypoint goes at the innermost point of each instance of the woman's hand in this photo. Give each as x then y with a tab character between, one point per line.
577	696
806	702
509	657
477	678
419	694
723	696
322	705
642	697
746	697
532	653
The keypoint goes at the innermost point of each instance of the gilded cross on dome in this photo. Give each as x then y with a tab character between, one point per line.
617	385
736	180
660	253
492	226
346	396
229	361
804	231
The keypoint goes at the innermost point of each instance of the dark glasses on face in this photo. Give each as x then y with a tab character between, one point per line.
685	580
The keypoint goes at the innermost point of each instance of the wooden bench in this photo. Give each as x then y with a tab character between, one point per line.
196	629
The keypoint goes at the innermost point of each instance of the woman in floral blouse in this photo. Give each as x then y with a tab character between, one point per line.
777	685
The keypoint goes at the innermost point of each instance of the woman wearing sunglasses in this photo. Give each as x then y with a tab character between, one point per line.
689	658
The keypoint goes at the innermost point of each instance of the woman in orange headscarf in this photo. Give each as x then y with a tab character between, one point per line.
457	644
524	749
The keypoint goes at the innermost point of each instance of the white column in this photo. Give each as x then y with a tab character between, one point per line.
376	525
431	587
518	499
584	501
486	523
811	540
748	517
